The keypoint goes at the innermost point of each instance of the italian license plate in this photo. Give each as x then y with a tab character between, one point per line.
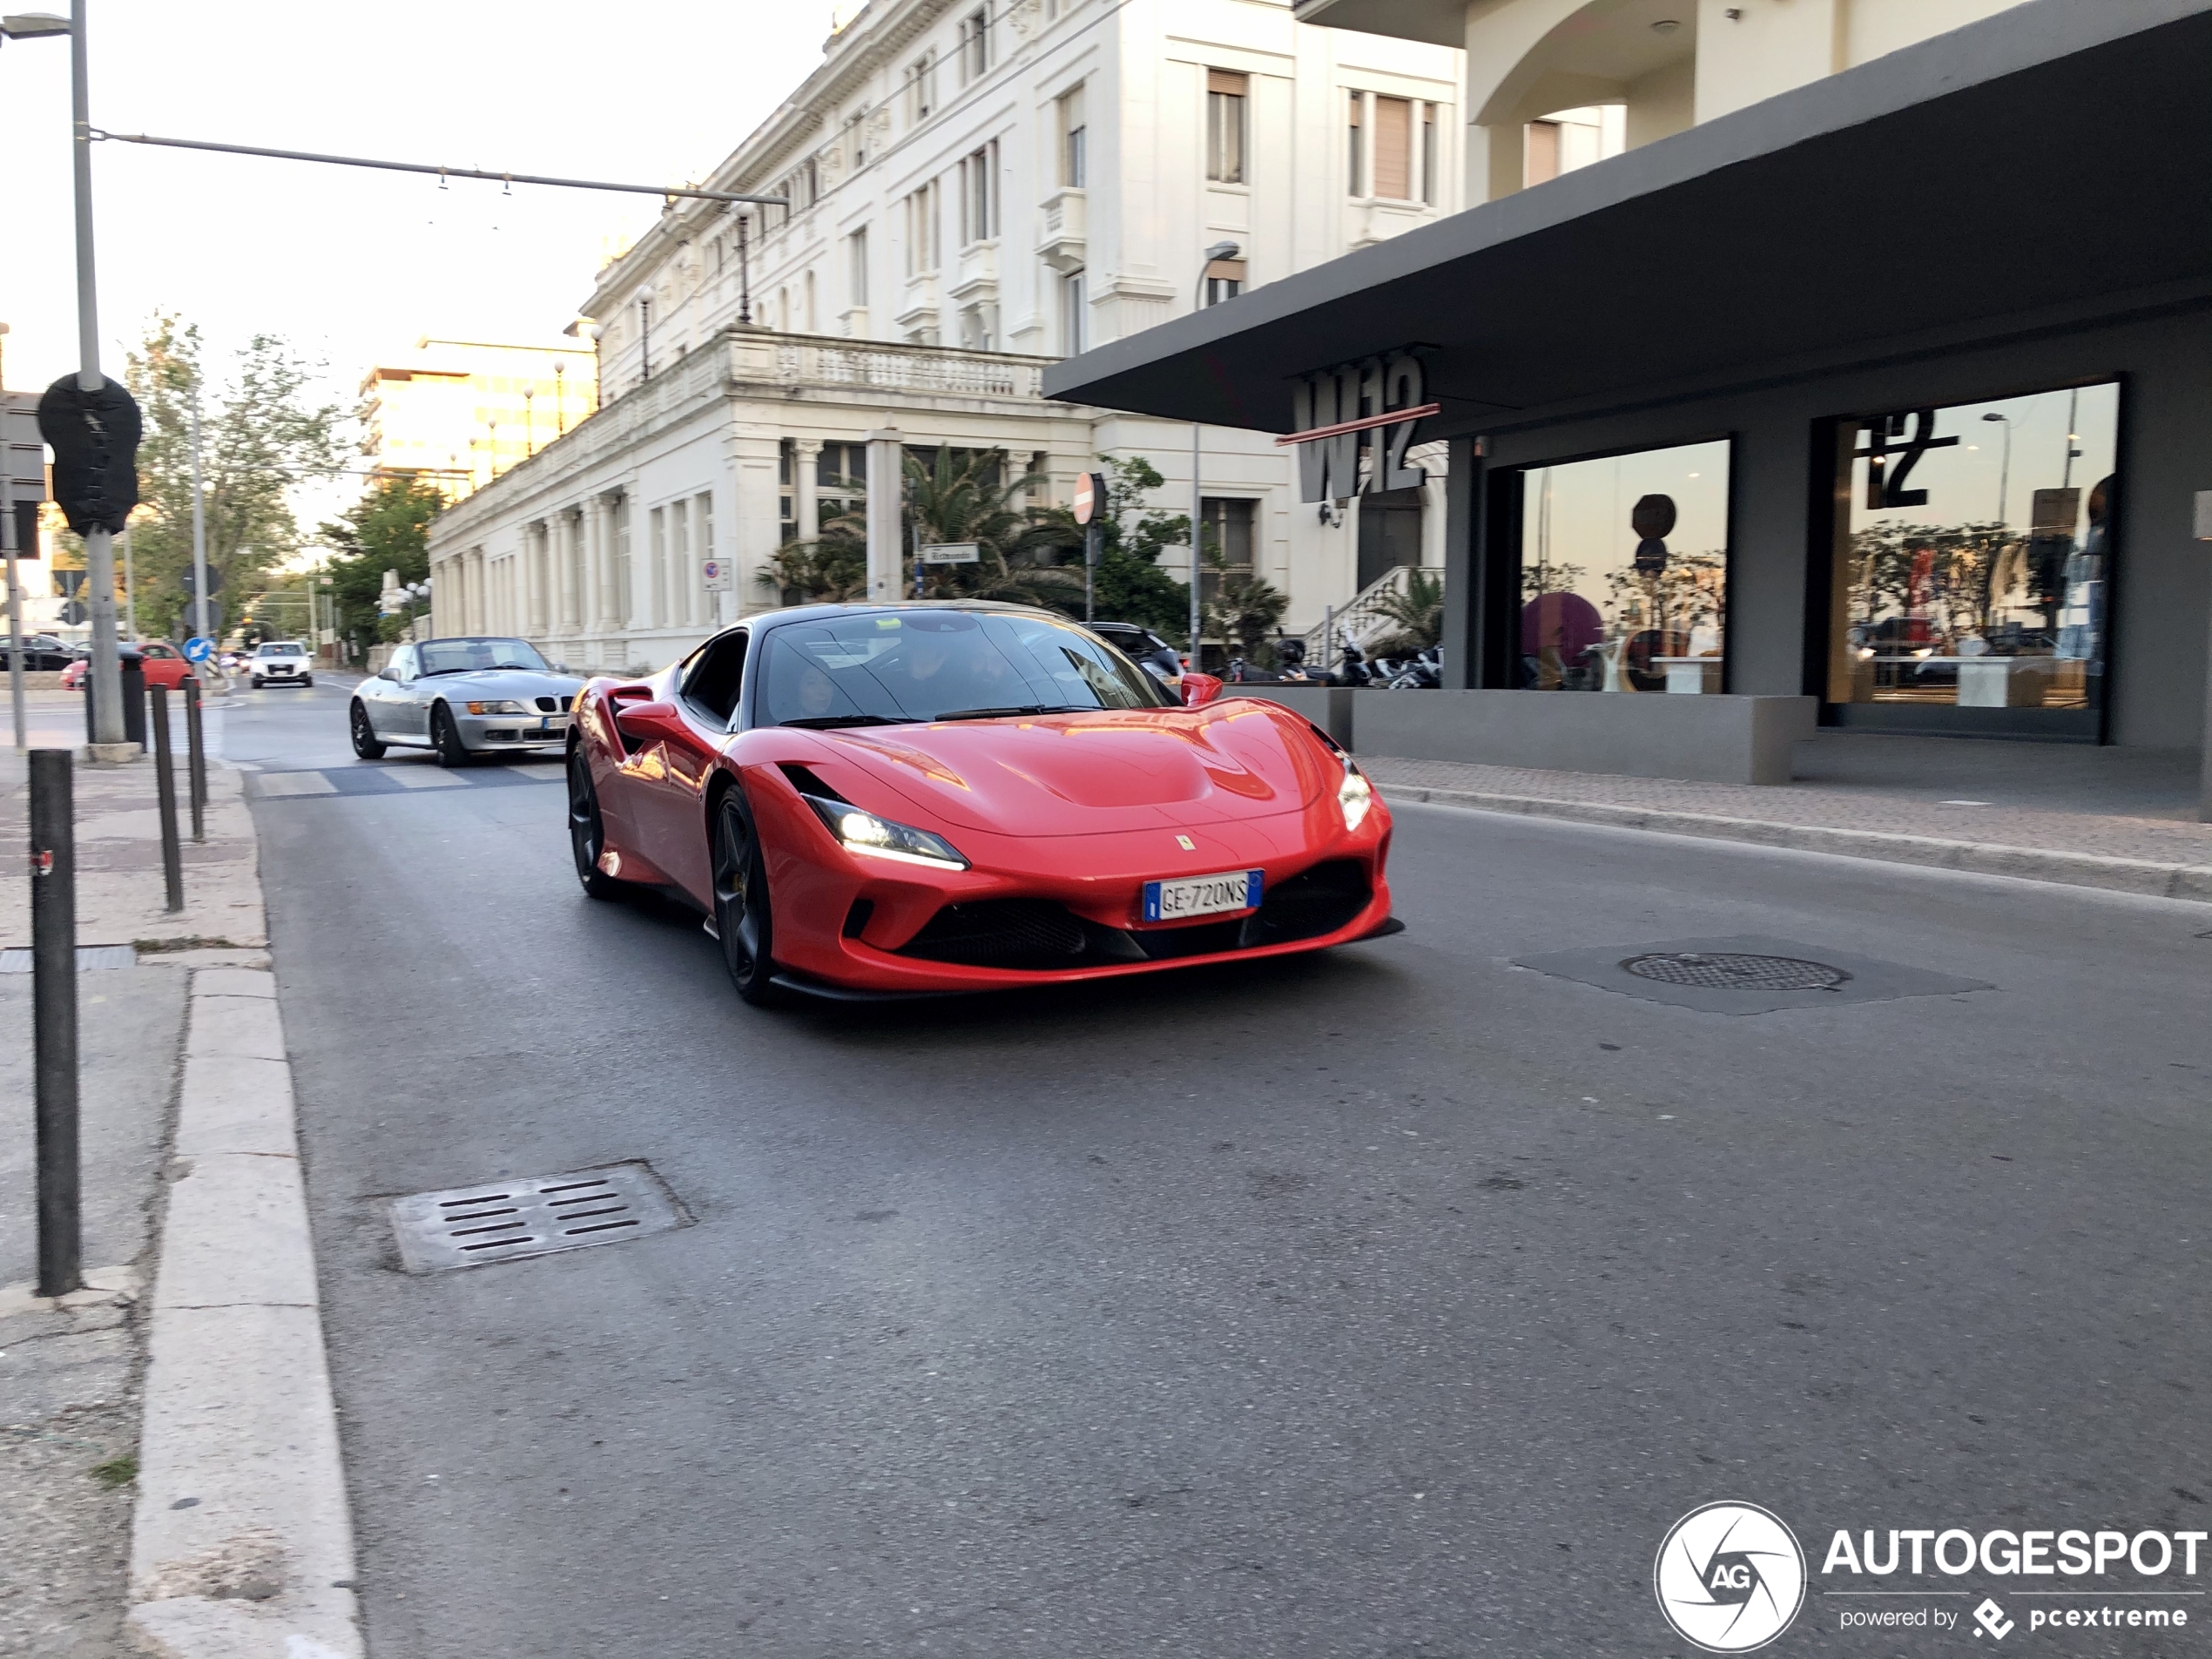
1201	895
549	726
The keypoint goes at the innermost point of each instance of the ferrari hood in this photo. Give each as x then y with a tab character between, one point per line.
1109	769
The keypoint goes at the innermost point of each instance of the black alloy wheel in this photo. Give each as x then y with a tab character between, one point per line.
445	738
741	913
365	743
587	832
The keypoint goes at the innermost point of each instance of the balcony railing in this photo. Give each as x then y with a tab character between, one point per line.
887	368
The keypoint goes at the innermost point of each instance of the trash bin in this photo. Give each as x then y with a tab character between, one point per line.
132	662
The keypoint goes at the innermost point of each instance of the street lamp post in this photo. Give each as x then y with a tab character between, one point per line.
100	544
2004	471
1219	250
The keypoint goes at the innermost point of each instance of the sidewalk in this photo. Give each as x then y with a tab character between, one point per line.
112	1397
2038	812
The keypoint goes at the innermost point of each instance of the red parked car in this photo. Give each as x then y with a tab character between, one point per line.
161	661
867	800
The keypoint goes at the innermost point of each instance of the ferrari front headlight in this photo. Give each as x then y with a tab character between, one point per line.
1355	795
880	837
507	707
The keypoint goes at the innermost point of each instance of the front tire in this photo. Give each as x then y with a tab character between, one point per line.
257	682
365	743
445	738
587	830
310	680
741	913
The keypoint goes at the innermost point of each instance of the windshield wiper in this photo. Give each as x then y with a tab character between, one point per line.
432	673
816	721
1022	708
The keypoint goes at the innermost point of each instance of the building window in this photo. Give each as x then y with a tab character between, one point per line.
856	139
841	481
856	249
1973	562
1566	139
1428	154
1225	99
1228	540
1393	147
1225	280
1624	572
979	199
1072	138
921	232
922	80
1075	314
975	44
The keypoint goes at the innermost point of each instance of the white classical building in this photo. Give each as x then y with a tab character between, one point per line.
975	187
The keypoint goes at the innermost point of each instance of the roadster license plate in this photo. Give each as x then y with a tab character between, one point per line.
1201	895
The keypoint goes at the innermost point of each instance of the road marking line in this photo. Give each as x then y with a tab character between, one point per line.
296	783
418	778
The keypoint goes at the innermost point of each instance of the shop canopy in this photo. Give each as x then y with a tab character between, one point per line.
2043	167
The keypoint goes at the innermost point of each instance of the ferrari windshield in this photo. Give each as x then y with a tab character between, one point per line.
475	656
877	668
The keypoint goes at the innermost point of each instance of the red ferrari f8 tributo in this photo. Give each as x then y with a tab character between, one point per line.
872	800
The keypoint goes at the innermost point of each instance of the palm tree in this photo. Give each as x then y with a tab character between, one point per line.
1416	615
965	497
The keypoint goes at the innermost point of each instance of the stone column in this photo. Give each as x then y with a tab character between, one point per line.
613	606
807	512
579	569
564	573
595	557
885	476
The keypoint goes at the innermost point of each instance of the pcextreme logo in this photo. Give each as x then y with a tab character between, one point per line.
1729	1577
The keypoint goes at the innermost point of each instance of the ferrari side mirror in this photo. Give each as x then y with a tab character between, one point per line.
1199	689
640	723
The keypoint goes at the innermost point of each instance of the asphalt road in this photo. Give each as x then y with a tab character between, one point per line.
1389	1303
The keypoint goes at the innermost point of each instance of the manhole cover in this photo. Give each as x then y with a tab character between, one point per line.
1735	971
498	1221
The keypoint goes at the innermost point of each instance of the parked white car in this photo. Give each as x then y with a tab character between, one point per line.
282	662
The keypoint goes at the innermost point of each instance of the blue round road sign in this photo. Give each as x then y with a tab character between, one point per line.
198	649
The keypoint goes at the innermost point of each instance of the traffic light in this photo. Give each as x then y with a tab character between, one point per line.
94	436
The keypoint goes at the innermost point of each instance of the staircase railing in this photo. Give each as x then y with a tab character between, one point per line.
1365	618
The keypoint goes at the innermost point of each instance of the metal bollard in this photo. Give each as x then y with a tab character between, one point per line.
53	966
196	754
172	857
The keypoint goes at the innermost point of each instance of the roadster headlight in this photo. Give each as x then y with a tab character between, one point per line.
507	707
879	837
1355	795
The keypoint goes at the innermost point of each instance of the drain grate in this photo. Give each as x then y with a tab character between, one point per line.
89	958
498	1221
1735	971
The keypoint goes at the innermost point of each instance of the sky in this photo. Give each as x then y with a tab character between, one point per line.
348	265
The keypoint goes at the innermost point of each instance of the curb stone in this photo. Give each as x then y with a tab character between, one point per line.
241	1546
2149	876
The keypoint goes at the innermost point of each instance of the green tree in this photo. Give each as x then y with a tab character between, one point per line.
1416	615
965	496
1129	584
388	528
261	434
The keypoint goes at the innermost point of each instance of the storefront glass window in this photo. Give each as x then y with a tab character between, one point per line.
1974	557
1624	572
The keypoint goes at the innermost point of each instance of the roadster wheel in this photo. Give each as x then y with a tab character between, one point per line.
587	833
445	738
365	743
741	913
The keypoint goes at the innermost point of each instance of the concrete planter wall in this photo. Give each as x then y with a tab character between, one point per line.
1712	739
